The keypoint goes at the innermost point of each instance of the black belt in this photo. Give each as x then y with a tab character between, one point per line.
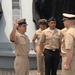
51	52
51	49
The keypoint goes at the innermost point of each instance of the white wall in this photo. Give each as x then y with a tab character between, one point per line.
27	13
6	21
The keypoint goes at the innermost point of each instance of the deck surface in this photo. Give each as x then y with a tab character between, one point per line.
11	72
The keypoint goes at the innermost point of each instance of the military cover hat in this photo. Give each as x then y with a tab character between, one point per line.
68	16
42	21
22	22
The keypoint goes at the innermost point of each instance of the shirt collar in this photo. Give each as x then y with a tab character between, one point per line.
20	34
50	29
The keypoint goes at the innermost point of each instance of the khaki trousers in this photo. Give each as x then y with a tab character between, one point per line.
21	65
71	71
40	62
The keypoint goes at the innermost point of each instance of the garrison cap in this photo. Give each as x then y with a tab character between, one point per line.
42	21
22	22
51	19
68	16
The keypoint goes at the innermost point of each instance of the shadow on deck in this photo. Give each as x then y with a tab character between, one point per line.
11	72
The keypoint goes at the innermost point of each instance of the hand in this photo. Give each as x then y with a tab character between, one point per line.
35	50
42	55
16	23
66	66
61	54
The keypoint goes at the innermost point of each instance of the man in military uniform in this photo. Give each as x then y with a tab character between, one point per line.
69	59
63	51
40	64
50	40
21	42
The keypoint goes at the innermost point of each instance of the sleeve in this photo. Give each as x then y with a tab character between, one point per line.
34	36
16	39
42	37
68	41
61	36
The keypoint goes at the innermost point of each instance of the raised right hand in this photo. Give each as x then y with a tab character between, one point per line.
16	23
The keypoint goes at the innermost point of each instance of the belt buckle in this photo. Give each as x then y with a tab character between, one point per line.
53	49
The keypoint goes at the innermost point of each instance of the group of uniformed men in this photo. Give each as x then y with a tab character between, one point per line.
51	44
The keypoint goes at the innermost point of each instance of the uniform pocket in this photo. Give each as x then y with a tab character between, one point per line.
23	43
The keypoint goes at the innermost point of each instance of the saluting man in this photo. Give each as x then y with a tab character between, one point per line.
21	42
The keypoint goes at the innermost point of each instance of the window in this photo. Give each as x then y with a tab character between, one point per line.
16	9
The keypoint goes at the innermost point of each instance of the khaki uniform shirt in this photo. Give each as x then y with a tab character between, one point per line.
37	35
70	38
51	40
21	45
63	31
